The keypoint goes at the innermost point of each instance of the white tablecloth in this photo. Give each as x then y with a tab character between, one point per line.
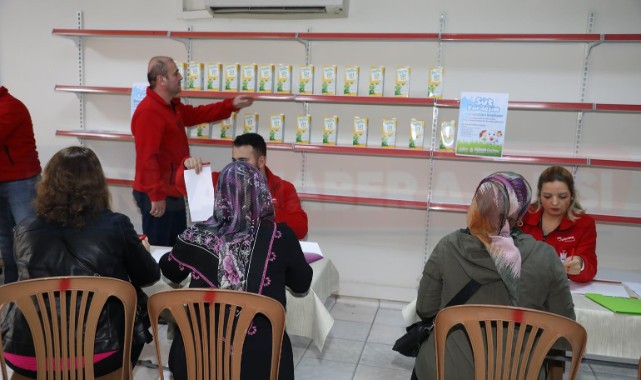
609	334
306	314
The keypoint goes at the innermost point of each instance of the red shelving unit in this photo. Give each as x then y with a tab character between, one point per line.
110	33
415	205
592	39
391	101
539	160
518	37
350	150
235	35
96	135
311	36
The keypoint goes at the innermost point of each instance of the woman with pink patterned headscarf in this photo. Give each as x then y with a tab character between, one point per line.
511	268
241	248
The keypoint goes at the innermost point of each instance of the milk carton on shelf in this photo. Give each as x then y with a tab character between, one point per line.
227	127
266	78
250	124
351	81
330	130
248	78
435	83
329	80
303	129
195	75
201	131
417	132
283	79
276	128
213	76
230	77
359	137
306	80
388	133
376	80
402	82
182	70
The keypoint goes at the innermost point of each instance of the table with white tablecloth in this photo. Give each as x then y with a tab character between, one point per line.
610	334
306	313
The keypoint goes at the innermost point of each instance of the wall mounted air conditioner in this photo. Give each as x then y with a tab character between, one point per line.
278	8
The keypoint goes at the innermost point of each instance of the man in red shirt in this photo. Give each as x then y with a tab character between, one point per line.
158	126
251	148
19	173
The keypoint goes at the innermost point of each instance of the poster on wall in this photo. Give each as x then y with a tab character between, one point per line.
138	92
481	124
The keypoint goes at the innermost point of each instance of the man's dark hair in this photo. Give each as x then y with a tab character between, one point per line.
255	140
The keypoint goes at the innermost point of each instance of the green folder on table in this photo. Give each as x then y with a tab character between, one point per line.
617	304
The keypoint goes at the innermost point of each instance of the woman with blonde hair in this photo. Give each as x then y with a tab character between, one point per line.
509	267
557	218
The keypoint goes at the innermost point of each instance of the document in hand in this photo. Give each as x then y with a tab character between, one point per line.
200	193
617	304
311	251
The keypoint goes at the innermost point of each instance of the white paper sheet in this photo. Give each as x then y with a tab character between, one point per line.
310	247
615	289
634	286
157	251
200	192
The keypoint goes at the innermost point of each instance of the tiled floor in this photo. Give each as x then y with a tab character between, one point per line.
359	346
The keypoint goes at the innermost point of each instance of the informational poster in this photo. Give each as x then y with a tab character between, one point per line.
138	92
481	124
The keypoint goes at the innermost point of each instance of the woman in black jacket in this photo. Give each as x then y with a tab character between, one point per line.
241	248
74	233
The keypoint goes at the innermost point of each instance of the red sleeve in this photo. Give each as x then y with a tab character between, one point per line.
586	249
208	113
148	132
14	115
290	211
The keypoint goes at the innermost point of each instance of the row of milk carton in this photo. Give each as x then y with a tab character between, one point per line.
227	130
270	78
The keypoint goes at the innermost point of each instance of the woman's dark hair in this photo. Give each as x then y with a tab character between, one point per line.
560	174
73	189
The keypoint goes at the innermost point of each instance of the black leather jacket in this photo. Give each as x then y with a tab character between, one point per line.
107	246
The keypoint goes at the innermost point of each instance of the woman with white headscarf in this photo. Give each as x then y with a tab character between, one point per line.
511	268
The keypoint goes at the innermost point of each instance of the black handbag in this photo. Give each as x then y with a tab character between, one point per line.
410	343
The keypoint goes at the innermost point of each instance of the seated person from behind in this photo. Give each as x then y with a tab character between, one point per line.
511	267
241	247
251	148
558	219
74	233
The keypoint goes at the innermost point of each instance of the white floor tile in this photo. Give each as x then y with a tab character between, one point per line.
391	317
317	369
382	356
354	312
396	305
350	330
340	350
364	372
385	334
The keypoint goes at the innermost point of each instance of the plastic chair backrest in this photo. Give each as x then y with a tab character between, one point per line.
508	342
68	337
213	323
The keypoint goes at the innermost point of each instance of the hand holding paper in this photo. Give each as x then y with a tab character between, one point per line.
200	192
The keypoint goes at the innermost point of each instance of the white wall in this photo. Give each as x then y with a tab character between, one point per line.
379	251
